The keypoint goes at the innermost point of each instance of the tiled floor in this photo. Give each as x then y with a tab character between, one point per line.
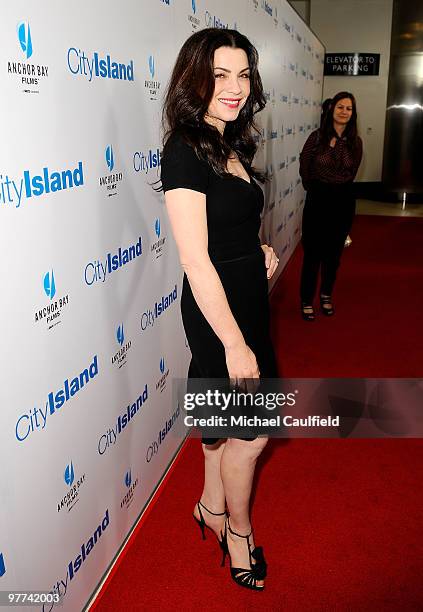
369	207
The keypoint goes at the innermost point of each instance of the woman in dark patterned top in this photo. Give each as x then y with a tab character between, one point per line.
328	164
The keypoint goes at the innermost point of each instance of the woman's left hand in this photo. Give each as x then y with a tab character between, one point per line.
271	260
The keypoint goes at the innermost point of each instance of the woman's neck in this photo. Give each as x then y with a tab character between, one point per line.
339	128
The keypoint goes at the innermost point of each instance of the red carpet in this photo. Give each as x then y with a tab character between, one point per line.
340	520
377	330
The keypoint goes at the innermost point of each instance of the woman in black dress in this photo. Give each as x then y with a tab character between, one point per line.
328	164
214	206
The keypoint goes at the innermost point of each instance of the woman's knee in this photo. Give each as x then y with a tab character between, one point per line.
249	449
212	450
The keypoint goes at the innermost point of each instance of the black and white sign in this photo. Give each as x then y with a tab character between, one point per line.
352	64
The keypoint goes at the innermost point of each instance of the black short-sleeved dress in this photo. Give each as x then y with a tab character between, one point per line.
233	220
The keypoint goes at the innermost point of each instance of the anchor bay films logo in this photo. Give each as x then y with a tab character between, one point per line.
158	246
71	497
164	373
152	84
109	182
51	312
28	75
289	28
2	565
192	17
130	485
119	359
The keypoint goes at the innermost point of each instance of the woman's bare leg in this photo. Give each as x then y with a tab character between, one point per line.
237	467
213	496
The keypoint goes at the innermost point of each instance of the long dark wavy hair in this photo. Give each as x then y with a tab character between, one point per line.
190	91
327	131
325	107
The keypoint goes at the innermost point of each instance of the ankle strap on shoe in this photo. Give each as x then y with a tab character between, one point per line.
238	534
210	512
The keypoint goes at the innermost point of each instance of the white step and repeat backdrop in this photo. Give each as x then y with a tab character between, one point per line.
91	330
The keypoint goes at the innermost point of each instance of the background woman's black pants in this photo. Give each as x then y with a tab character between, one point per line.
327	218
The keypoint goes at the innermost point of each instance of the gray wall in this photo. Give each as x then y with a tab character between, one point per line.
365	26
303	8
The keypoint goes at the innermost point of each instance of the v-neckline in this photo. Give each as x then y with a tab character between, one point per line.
240	178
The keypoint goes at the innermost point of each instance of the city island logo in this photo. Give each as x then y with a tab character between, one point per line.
164	371
271	205
212	21
61	586
146	161
119	359
52	311
152	85
110	181
267	8
13	191
131	486
193	20
154	446
30	75
157	248
37	419
282	225
71	497
124	420
150	316
96	271
96	66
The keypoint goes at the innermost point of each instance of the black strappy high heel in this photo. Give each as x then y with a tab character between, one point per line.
258	571
307	312
202	524
326	305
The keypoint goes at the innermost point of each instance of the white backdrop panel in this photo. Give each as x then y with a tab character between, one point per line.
89	270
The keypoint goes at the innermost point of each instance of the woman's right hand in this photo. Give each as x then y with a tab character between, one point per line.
242	364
